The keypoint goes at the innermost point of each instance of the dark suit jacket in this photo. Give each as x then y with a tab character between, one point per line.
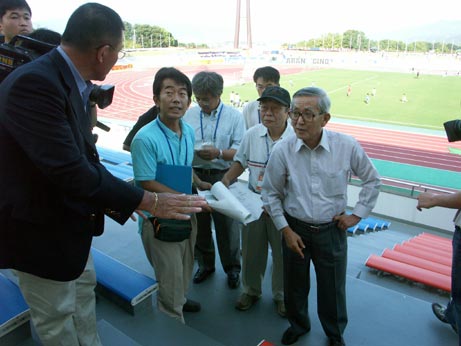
53	190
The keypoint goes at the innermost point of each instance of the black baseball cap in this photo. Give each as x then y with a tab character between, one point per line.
278	94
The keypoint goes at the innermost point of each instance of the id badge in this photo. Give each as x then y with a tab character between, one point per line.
259	182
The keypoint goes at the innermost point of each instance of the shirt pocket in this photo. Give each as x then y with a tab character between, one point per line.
223	142
335	183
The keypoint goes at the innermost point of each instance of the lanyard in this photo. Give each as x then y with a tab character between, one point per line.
267	150
169	145
217	123
259	116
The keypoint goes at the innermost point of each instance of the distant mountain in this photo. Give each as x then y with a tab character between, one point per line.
448	31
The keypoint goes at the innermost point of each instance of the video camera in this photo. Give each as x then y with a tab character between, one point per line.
453	130
23	49
19	51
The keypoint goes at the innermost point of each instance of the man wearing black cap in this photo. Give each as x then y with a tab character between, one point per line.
254	152
305	192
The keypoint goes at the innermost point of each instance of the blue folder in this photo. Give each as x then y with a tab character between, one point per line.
178	178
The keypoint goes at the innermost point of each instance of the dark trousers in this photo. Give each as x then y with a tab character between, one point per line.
227	235
453	312
327	248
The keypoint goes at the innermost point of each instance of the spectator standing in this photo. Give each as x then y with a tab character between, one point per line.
451	313
305	192
167	141
262	77
253	153
218	131
56	192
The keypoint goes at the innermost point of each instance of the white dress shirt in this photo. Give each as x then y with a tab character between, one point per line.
311	184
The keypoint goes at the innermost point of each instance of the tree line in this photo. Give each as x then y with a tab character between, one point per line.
148	36
358	41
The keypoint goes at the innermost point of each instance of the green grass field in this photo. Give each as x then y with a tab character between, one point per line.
432	99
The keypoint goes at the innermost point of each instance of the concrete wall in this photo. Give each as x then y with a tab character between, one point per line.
404	208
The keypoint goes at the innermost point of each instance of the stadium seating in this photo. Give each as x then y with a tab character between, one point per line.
410	272
119	163
121	284
425	259
14	310
369	224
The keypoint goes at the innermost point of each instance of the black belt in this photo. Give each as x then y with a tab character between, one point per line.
312	227
210	171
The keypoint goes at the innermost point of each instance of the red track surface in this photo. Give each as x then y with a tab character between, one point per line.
133	97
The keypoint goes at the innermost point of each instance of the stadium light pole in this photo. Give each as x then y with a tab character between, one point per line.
134	38
237	24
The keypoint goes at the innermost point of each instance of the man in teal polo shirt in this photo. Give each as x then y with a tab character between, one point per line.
167	141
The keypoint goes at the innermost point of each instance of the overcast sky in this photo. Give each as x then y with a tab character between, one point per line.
211	21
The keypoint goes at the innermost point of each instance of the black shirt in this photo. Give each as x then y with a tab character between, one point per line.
144	119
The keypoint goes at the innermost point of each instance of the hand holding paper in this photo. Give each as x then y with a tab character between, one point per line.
222	200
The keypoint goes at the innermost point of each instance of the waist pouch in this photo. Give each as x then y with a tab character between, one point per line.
170	230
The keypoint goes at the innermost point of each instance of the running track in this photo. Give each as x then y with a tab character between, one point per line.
133	97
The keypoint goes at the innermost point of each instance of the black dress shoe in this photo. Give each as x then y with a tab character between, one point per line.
334	342
290	336
439	312
202	274
233	279
191	306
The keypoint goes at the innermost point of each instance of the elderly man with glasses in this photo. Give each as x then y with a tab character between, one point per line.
305	192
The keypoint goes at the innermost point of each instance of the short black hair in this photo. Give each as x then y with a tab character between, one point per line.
46	35
93	25
207	82
174	74
268	73
9	5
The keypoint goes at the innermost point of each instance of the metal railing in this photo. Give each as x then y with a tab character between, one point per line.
399	186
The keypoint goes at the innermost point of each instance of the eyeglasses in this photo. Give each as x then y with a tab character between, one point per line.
307	116
120	54
203	102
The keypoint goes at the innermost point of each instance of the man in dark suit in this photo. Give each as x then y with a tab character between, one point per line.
54	190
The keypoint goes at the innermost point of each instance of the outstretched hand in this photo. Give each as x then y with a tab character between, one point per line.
174	206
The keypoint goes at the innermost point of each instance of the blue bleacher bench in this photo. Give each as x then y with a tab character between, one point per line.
122	284
117	162
14	310
114	156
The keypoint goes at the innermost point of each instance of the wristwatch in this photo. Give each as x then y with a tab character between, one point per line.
220	154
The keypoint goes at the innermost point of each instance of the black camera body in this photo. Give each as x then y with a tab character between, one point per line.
102	95
453	130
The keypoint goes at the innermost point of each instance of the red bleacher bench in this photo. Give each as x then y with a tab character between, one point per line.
410	272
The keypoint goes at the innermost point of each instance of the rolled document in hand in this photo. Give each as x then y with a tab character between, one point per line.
222	200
